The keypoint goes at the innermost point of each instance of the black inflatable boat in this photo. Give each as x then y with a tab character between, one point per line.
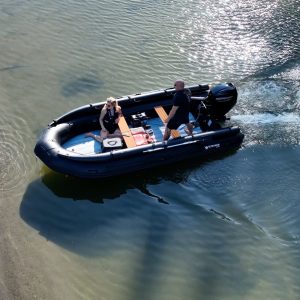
63	146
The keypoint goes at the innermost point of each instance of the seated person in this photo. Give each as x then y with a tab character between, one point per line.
109	118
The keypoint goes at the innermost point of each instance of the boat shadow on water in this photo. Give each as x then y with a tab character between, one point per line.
81	216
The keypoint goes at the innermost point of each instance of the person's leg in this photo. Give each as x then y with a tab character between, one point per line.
189	128
116	133
98	138
172	124
103	135
167	134
89	134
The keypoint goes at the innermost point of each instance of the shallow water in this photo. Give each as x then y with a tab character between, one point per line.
227	228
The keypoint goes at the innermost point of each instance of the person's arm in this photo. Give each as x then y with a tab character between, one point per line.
119	111
102	114
171	113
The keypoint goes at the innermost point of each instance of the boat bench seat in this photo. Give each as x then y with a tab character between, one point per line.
163	116
128	138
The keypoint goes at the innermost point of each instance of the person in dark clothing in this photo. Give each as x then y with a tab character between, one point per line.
109	118
179	113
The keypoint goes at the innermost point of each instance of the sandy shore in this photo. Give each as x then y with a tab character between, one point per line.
21	270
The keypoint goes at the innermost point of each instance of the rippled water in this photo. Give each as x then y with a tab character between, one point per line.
227	228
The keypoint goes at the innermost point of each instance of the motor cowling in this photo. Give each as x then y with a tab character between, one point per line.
220	100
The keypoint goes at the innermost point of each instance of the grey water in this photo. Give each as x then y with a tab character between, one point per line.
225	228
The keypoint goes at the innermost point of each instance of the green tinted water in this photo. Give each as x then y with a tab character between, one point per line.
223	229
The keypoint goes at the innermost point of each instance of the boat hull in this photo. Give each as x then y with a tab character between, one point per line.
50	151
120	162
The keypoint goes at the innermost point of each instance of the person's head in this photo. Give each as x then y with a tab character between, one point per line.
111	102
179	85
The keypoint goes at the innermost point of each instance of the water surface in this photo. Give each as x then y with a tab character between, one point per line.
227	228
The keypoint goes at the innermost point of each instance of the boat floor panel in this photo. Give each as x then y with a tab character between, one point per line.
88	146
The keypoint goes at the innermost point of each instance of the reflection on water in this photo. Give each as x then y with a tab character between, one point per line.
67	223
188	247
83	85
100	190
56	204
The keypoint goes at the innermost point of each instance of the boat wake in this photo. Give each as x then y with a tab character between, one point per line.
267	118
15	160
268	110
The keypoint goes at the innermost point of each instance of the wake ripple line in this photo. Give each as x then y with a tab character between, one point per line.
267	118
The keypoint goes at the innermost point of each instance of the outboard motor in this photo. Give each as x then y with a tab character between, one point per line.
220	100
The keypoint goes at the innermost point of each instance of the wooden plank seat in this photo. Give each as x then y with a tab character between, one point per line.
163	116
128	138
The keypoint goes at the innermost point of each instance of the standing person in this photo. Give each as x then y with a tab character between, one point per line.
179	113
109	119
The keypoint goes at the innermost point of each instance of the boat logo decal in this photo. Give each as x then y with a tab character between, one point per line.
212	146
